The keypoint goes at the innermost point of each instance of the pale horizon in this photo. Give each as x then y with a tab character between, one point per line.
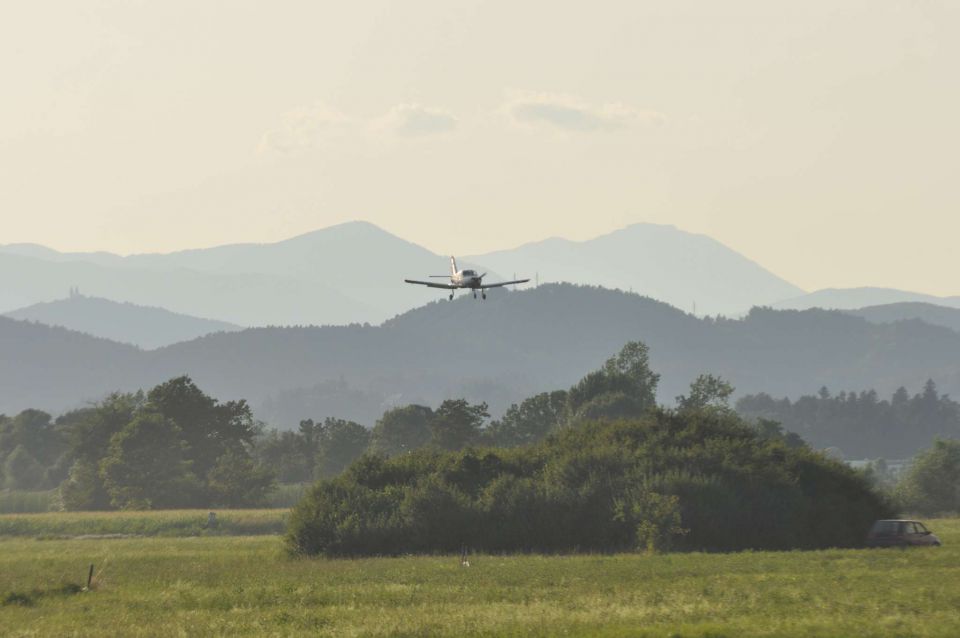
817	140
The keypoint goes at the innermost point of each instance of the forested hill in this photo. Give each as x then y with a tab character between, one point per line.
143	326
927	312
56	368
500	351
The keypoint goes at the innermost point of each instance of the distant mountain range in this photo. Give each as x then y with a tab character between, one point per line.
352	273
911	311
500	351
244	298
854	298
141	326
683	269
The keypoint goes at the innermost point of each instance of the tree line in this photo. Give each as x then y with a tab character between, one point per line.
324	449
175	446
861	424
171	447
614	472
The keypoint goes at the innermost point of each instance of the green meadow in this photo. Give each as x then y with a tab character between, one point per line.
169	582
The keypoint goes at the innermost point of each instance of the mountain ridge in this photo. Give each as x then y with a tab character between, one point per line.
362	265
681	268
351	273
147	327
861	297
505	349
911	311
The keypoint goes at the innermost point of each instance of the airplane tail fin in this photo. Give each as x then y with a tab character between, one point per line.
453	265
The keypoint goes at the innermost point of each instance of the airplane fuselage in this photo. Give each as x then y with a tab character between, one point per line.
466	279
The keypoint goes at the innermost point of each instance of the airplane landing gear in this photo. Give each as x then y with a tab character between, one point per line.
451	296
483	294
474	294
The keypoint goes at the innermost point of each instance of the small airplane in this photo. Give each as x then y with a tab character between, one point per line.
464	279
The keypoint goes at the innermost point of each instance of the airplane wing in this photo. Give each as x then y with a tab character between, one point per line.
431	284
505	283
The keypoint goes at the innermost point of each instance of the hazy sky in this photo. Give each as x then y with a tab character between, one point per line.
818	138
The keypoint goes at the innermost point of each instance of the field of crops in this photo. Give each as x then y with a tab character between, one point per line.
24	502
54	525
245	585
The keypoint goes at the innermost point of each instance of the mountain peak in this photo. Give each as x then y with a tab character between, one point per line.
662	261
346	230
652	226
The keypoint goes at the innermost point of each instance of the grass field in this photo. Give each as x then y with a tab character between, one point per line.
244	585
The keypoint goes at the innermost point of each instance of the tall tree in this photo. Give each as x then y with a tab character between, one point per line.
457	424
145	466
402	429
310	433
341	443
21	470
625	386
83	489
530	421
89	430
236	481
209	428
707	390
287	454
35	432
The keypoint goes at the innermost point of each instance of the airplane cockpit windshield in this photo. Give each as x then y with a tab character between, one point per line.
469	273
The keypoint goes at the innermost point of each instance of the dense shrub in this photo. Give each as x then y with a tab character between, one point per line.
690	479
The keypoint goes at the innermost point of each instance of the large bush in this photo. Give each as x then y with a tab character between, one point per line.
690	479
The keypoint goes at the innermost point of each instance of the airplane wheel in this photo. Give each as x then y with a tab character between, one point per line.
451	296
484	295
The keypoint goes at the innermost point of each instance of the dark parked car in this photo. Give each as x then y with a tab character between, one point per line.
900	534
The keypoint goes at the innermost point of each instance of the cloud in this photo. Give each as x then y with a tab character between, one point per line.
416	120
569	113
303	128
